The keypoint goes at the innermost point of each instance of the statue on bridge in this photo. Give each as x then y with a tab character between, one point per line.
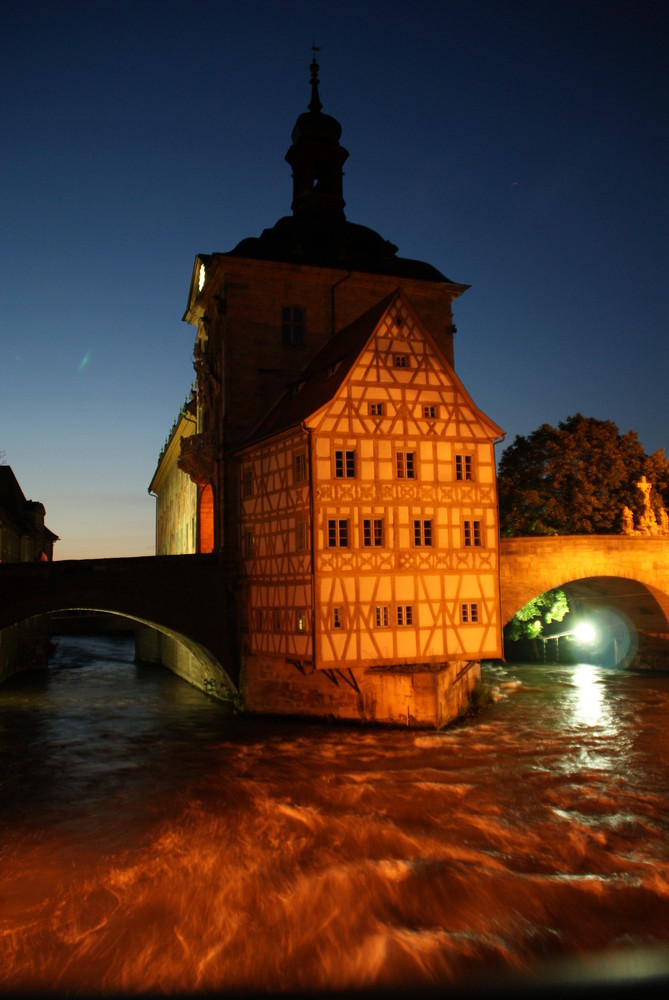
649	522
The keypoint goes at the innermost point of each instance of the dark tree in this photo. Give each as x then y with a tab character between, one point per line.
576	479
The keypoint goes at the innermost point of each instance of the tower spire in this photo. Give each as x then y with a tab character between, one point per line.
315	102
317	160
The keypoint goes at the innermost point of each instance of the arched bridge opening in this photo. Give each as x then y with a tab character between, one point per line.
617	585
156	643
179	603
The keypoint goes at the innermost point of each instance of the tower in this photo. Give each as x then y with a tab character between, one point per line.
336	450
317	160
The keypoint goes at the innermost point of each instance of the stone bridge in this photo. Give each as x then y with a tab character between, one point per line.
183	598
619	577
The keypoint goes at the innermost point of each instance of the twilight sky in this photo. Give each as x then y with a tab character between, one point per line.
521	148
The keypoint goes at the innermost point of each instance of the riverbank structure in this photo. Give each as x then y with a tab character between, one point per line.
24	537
344	475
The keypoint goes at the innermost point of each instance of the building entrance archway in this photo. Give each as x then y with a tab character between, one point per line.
206	520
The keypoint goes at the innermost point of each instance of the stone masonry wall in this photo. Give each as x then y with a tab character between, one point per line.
425	699
24	647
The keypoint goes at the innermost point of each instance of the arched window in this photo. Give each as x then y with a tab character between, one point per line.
206	519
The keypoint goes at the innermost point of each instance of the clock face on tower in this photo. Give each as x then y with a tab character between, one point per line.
201	278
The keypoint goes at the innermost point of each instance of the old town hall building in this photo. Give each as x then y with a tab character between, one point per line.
335	462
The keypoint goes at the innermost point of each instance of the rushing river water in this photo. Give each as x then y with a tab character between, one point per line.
150	841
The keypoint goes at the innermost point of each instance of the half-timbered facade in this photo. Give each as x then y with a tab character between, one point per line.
342	472
369	518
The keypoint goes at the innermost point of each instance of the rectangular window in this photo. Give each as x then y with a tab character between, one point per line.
469	614
422	532
338	533
292	326
401	360
382	615
247	482
249	545
337	617
372	532
277	620
463	468
404	614
345	464
300	467
472	533
301	535
376	409
429	411
405	464
301	615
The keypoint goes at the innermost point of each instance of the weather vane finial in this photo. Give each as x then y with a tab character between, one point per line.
315	102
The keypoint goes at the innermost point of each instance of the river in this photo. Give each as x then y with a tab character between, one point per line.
152	841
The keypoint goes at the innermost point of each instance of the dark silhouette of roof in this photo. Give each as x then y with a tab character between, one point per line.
318	232
335	243
17	512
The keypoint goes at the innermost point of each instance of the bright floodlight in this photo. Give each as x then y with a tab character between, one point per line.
585	632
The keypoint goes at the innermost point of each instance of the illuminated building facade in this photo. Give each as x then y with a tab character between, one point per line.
175	492
343	472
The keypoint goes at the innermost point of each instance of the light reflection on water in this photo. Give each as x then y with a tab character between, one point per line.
150	841
589	707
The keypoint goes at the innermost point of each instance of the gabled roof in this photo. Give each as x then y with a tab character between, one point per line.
322	378
12	500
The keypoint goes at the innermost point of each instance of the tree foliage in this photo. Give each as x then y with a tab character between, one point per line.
576	479
528	623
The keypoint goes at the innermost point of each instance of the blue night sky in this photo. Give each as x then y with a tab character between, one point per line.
521	148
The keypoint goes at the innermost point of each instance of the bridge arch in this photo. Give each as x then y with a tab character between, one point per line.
157	643
626	577
182	599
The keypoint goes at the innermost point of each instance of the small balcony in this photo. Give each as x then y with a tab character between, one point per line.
198	457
